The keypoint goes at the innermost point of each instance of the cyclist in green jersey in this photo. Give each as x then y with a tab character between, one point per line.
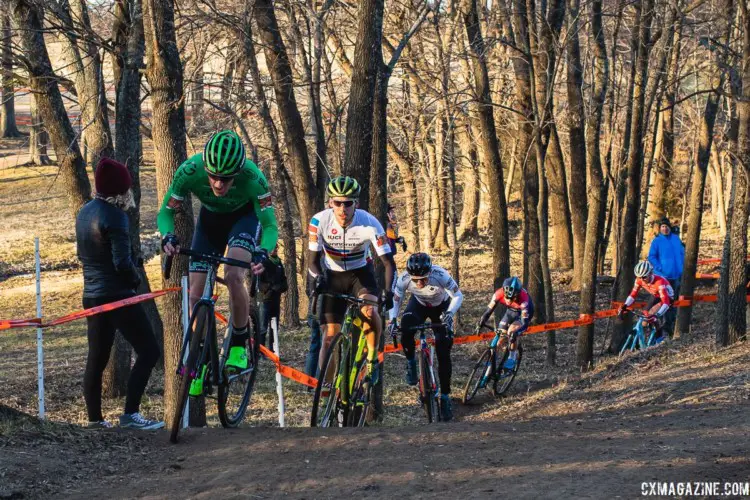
236	212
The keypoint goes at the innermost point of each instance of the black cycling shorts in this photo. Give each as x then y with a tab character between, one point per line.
216	232
357	282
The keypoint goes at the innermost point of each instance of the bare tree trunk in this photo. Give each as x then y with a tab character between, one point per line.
91	92
312	84
718	188
468	227
597	192
577	138
560	213
164	75
277	61
43	83
410	191
732	296
703	156
490	147
292	309
358	150
629	229
8	126
38	138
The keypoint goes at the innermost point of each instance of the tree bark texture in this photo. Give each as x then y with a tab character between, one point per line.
43	84
490	145
734	269
359	120
89	81
577	141
38	137
629	229
8	126
597	192
292	310
468	227
164	75
277	61
698	183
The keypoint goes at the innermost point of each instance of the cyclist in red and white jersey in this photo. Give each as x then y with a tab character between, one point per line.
662	294
518	313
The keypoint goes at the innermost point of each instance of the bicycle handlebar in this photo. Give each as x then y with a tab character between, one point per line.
419	328
342	296
216	259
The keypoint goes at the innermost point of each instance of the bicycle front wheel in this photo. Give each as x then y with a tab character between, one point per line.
426	389
327	399
236	388
477	377
504	376
189	369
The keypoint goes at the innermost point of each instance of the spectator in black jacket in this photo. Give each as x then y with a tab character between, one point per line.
109	274
271	285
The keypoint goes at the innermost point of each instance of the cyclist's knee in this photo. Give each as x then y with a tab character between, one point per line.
369	312
234	277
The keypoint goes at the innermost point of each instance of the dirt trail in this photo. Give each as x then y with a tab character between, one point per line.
677	413
599	455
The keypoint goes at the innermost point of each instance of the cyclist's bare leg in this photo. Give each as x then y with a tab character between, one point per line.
512	329
329	330
239	300
372	326
197	282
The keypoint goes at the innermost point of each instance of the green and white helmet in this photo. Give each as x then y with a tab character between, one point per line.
224	154
343	187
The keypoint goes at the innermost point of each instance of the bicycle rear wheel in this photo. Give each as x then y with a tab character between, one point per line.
360	399
236	388
327	398
504	376
477	377
426	390
189	370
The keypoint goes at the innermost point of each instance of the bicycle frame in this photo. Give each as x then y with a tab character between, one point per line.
352	359
207	299
637	339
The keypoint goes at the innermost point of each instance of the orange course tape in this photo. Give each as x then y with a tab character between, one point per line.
285	371
37	322
288	371
18	323
109	307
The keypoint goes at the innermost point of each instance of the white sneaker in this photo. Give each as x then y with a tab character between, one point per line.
138	421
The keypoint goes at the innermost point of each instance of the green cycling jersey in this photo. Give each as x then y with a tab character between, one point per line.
249	185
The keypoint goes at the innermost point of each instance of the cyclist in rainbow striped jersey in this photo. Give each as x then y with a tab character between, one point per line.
342	235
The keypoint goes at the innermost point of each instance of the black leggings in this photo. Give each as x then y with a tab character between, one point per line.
416	314
135	327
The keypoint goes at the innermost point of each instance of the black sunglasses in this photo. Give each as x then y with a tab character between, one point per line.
347	203
223	178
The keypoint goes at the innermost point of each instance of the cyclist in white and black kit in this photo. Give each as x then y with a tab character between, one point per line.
434	295
342	235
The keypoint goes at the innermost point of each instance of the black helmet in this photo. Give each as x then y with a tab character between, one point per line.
511	287
419	265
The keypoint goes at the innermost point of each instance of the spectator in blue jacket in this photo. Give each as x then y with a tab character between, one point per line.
667	254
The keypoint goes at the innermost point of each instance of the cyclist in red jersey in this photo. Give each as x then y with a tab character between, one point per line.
662	294
518	313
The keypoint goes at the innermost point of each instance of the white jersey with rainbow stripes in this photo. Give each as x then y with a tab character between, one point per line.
346	248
